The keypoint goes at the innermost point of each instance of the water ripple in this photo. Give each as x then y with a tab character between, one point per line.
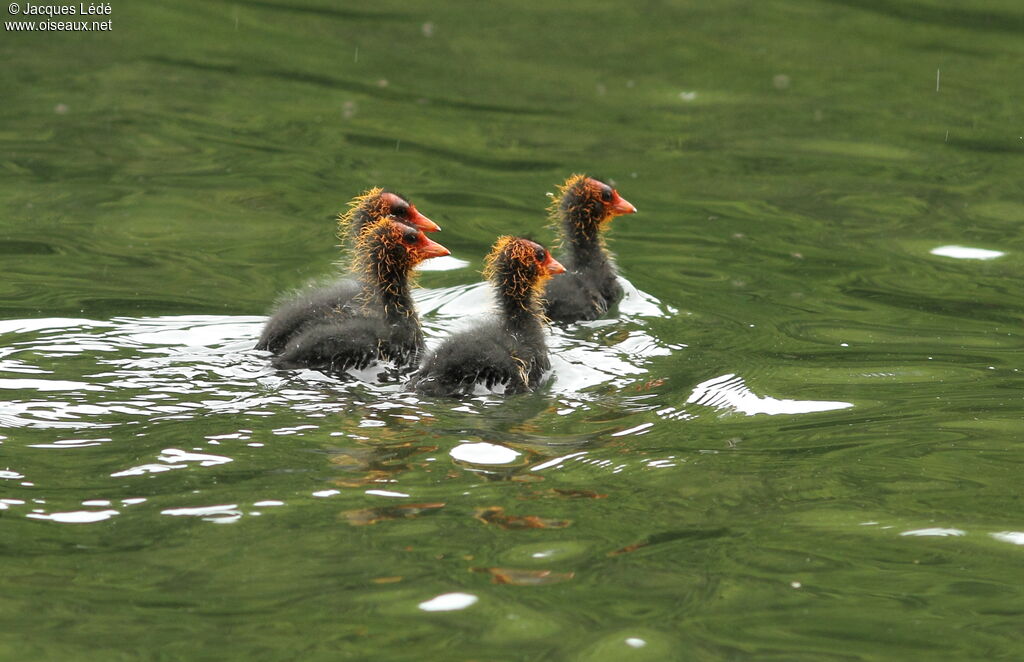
180	367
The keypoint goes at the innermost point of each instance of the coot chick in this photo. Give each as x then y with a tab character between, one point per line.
379	321
588	288
312	304
509	350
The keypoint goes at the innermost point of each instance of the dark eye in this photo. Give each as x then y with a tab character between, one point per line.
540	254
399	210
606	195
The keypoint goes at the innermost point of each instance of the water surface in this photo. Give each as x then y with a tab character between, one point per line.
799	438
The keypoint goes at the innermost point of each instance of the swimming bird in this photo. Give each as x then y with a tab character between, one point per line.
589	287
379	321
293	314
509	350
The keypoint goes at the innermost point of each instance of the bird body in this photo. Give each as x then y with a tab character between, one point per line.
376	321
589	288
318	304
323	303
509	351
584	292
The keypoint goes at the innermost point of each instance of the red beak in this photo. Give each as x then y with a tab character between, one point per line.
621	206
553	266
422	222
429	248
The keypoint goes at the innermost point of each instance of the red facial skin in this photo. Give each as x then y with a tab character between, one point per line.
422	222
551	265
414	217
617	206
427	248
620	205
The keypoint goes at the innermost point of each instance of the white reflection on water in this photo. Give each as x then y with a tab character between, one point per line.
729	392
935	531
38	324
446	263
73	443
51	414
47	385
613	466
643	428
449	602
966	253
1012	537
224	514
173	459
483	453
75	517
558	461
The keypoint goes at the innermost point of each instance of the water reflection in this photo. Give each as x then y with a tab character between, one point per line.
1012	537
934	532
222	514
445	263
449	602
729	392
75	517
483	453
179	367
373	441
966	253
173	459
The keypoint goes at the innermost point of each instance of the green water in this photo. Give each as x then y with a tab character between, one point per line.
800	439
